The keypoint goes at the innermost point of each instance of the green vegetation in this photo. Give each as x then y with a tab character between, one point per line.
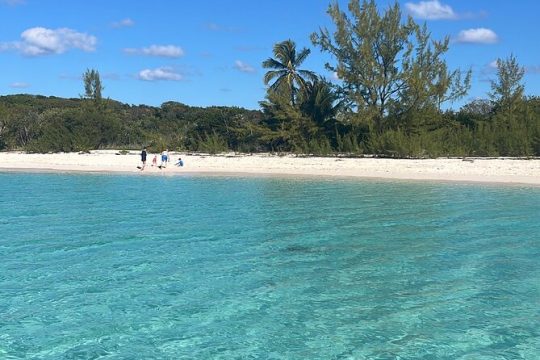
285	69
389	102
92	85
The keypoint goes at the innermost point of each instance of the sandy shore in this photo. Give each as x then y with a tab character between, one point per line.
501	170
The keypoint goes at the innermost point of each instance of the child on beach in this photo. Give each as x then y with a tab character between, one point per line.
154	161
164	158
180	162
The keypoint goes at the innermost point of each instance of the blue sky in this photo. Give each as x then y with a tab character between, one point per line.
209	52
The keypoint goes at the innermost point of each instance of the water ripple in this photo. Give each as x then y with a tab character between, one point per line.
100	266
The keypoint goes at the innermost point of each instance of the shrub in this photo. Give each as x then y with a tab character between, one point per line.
212	144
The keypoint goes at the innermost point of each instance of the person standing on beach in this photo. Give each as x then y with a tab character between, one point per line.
154	161
164	158
143	158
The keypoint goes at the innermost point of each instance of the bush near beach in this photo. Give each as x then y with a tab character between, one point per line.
390	101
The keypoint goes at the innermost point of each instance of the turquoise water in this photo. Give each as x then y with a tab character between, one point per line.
128	267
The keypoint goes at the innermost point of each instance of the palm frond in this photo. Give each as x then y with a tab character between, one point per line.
309	74
302	56
285	51
273	74
278	83
273	64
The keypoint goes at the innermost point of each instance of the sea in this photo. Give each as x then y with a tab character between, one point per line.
101	266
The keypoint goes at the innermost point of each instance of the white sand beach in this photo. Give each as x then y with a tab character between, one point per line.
488	170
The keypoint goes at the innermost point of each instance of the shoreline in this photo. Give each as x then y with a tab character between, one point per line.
508	171
461	181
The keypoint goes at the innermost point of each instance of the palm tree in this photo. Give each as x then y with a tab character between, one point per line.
285	69
320	103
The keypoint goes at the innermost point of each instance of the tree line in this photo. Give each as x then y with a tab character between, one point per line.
388	100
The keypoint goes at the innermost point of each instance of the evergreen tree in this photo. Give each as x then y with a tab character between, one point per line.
92	85
507	90
387	65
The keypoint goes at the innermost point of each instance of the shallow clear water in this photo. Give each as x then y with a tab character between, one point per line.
120	267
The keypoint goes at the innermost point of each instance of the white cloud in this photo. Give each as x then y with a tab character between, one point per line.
127	22
111	76
42	41
488	70
220	28
13	2
162	73
431	10
66	76
243	67
19	85
248	48
213	27
477	36
157	50
533	69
